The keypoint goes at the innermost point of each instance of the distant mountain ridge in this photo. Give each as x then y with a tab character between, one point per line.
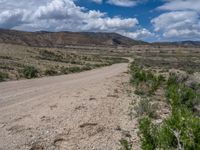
179	43
61	39
64	38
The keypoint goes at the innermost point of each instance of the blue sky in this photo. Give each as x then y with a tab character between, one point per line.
144	12
149	20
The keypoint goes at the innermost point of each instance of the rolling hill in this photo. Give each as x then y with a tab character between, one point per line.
61	39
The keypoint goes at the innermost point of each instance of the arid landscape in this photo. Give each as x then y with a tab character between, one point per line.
100	75
78	111
93	97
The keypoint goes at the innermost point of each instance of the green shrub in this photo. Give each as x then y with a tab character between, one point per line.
30	72
173	79
145	108
115	60
178	94
99	65
3	76
74	69
140	92
64	70
179	131
139	75
86	67
51	72
48	55
148	134
125	145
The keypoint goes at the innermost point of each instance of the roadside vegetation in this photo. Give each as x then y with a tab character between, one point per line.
145	81
17	62
30	72
178	129
185	63
3	76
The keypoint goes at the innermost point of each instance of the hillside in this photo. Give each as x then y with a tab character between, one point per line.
61	39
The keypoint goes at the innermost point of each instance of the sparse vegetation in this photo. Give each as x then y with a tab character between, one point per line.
144	80
147	131
30	72
51	72
145	108
180	129
182	62
180	95
48	55
167	105
3	76
125	145
74	69
49	61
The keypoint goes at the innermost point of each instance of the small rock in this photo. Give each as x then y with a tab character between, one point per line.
118	128
79	107
92	98
37	146
53	106
87	124
2	125
126	134
115	96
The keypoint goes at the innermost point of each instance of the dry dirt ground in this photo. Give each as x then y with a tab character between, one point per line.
86	111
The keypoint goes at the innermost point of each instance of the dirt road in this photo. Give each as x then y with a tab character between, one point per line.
86	111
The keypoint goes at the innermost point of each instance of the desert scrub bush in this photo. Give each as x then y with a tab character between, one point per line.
178	131
51	56
145	108
30	72
178	94
98	65
6	57
181	63
141	76
74	69
68	70
64	70
76	62
3	76
115	60
181	129
125	145
148	134
86	67
50	72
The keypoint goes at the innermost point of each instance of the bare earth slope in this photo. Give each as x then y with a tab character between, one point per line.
61	39
86	111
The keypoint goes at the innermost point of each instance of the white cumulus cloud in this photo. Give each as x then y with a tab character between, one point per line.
123	3
139	34
12	18
180	21
98	1
59	15
181	5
